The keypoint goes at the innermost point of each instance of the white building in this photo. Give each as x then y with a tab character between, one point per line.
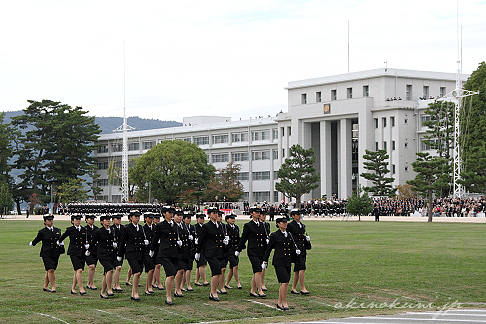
339	116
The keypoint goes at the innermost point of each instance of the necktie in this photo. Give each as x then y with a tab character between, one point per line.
285	233
137	228
78	228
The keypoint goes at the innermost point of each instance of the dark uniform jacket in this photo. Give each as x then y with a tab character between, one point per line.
298	234
49	239
234	234
89	237
167	234
284	248
77	240
211	241
104	239
118	233
131	244
255	235
149	234
183	235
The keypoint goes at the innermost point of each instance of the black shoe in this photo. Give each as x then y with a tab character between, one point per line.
74	292
198	284
53	291
253	295
148	294
183	289
213	298
222	292
161	288
169	302
294	292
117	290
177	295
305	292
262	295
206	284
240	287
154	286
151	291
135	299
104	297
109	295
228	287
82	293
285	308
279	307
264	289
46	289
190	289
126	283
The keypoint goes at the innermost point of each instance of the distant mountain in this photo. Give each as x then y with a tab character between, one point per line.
108	124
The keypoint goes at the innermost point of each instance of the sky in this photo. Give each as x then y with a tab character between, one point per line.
173	59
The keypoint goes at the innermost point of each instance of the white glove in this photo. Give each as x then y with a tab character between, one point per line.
268	241
297	252
115	245
119	259
151	254
86	246
158	241
307	237
227	237
87	253
59	243
179	242
237	254
30	243
146	242
197	256
196	241
191	237
264	265
226	241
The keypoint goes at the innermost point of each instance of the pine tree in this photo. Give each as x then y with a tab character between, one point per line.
297	175
359	203
379	166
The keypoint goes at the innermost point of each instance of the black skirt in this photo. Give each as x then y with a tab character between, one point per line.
256	263
108	262
283	274
299	263
170	265
92	259
215	265
50	262
137	265
78	262
148	263
202	261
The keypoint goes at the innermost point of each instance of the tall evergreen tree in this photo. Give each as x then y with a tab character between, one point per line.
6	150
378	165
297	175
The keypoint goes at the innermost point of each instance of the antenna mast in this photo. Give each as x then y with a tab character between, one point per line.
124	128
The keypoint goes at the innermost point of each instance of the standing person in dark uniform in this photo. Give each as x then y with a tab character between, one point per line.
234	239
281	241
156	282
202	262
148	261
76	250
167	255
117	228
191	230
211	244
104	240
50	250
92	259
224	262
266	226
254	233
132	246
184	250
302	241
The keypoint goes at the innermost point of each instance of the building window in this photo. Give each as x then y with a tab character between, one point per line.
261	175
260	135
393	168
408	92
116	198
274	134
102	182
184	139
134	146
239	137
424	118
318	96
426	93
116	147
376	146
275	154
392	121
334	94
289	131
275	196
283	153
406	168
384	145
366	91
393	145
349	93
102	165
376	122
260	155
405	121
275	176
240	156
103	149
220	138
406	145
243	176
148	145
282	131
261	196
201	140
383	121
220	158
442	91
303	99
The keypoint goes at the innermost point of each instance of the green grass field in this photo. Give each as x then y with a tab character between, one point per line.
350	263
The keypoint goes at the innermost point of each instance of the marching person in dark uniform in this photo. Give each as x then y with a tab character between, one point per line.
302	242
117	228
254	233
132	246
184	249
202	262
224	262
234	239
156	281
167	255
266	226
281	241
104	239
148	261
211	244
92	259
191	236
76	250
50	250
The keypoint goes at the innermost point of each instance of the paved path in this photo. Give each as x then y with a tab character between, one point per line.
459	316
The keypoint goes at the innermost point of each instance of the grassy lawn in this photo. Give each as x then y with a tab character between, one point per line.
350	263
